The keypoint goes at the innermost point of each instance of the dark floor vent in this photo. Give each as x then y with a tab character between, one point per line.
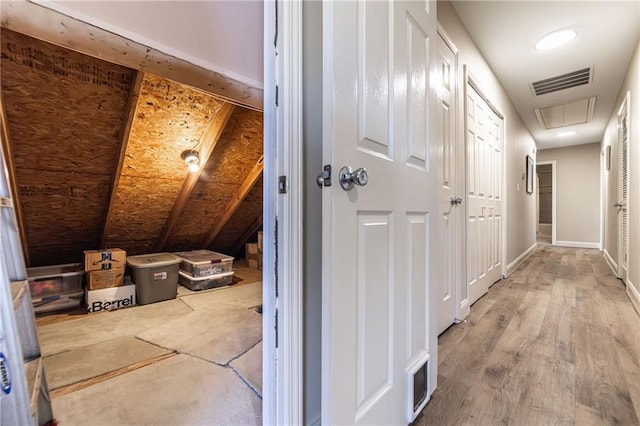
561	82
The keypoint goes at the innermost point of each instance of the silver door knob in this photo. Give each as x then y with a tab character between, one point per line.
349	177
456	200
617	204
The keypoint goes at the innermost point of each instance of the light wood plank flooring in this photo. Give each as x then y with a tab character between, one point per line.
557	343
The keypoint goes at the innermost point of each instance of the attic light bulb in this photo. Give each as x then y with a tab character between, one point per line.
566	134
193	167
555	39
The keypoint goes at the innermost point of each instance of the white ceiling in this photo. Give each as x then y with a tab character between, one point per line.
506	32
220	35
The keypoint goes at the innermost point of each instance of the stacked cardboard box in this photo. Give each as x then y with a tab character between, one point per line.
105	271
253	255
104	268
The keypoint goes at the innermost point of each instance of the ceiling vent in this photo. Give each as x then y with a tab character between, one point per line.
561	82
569	114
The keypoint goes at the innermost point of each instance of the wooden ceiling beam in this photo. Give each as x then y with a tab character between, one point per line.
125	133
239	196
209	141
13	185
253	227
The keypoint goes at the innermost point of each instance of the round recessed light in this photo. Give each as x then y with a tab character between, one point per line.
566	134
555	39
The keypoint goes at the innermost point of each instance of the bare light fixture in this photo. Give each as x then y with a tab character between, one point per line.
555	39
566	134
192	159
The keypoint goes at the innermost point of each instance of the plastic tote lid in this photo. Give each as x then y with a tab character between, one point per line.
203	256
152	260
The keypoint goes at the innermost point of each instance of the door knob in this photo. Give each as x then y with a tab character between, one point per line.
349	177
456	200
617	204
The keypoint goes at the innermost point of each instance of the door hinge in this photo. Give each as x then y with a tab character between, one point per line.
283	185
276	95
324	178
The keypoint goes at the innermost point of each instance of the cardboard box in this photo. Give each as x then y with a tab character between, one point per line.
253	256
105	279
110	299
250	249
96	260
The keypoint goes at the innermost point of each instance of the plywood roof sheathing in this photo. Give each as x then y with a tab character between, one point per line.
8	156
237	152
231	208
46	24
209	141
64	113
124	139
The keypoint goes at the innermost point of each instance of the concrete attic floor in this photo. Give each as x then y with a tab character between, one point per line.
193	360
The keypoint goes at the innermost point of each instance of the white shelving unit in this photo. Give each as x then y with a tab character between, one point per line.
24	396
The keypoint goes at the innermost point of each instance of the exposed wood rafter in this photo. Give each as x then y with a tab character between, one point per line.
209	141
233	205
8	156
251	229
136	84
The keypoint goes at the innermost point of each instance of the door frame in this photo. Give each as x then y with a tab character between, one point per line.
554	201
623	110
283	383
281	366
471	79
463	307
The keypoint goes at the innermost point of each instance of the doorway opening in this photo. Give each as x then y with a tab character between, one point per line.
546	203
104	172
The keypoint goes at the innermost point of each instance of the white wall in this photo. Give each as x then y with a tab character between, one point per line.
521	207
631	84
577	194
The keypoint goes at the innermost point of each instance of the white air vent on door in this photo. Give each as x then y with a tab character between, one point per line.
561	82
576	112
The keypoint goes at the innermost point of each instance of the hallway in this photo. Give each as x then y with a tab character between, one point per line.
555	343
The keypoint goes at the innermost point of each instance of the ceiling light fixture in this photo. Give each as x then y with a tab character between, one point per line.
555	39
192	159
566	134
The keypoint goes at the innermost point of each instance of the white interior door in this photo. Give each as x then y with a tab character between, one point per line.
450	196
379	240
484	139
623	220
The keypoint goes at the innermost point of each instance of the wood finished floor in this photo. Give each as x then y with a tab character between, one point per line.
557	343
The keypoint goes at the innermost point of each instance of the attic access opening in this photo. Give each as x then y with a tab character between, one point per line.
96	151
96	155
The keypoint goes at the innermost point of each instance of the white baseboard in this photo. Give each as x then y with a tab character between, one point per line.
520	259
634	295
612	263
578	244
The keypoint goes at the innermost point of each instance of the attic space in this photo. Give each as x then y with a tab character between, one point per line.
96	158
